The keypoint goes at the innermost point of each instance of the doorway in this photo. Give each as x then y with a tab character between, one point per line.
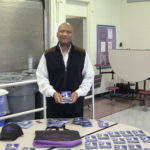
79	25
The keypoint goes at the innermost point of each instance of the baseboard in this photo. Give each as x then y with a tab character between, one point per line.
101	94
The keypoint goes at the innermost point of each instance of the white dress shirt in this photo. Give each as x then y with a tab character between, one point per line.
47	89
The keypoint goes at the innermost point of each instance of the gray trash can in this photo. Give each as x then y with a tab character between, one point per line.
21	98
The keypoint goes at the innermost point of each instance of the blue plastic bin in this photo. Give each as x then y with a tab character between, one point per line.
4	109
2	123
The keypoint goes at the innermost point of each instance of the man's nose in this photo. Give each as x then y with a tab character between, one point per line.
65	33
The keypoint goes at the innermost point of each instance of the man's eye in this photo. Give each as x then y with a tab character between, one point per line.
68	31
65	31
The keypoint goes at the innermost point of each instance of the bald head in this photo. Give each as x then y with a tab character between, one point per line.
65	24
65	33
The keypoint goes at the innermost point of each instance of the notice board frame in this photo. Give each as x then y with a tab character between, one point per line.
106	39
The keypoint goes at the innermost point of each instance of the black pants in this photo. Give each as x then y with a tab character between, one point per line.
55	110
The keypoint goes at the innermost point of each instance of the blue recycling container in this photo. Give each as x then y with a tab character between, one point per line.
4	109
2	123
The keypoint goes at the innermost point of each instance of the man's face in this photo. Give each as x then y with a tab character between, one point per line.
65	34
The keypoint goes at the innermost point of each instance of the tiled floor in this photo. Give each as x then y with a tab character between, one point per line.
122	111
105	107
134	116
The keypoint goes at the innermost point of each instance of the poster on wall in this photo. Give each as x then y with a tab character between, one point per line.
106	39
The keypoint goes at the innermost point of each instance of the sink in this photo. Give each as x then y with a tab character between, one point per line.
11	77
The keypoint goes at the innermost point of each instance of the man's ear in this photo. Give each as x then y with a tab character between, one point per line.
73	35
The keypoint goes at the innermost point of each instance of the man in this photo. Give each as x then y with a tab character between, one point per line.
64	67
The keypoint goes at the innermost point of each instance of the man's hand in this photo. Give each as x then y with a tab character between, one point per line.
58	98
74	97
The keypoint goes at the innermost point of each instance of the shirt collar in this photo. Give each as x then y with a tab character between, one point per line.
68	48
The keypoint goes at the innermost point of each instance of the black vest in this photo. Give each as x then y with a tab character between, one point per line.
61	78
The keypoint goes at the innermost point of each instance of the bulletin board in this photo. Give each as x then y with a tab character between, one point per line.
106	39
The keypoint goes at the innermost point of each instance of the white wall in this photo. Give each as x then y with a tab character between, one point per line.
131	20
105	12
136	25
135	32
96	12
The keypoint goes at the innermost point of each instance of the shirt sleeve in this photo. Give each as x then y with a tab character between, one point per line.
88	78
42	79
